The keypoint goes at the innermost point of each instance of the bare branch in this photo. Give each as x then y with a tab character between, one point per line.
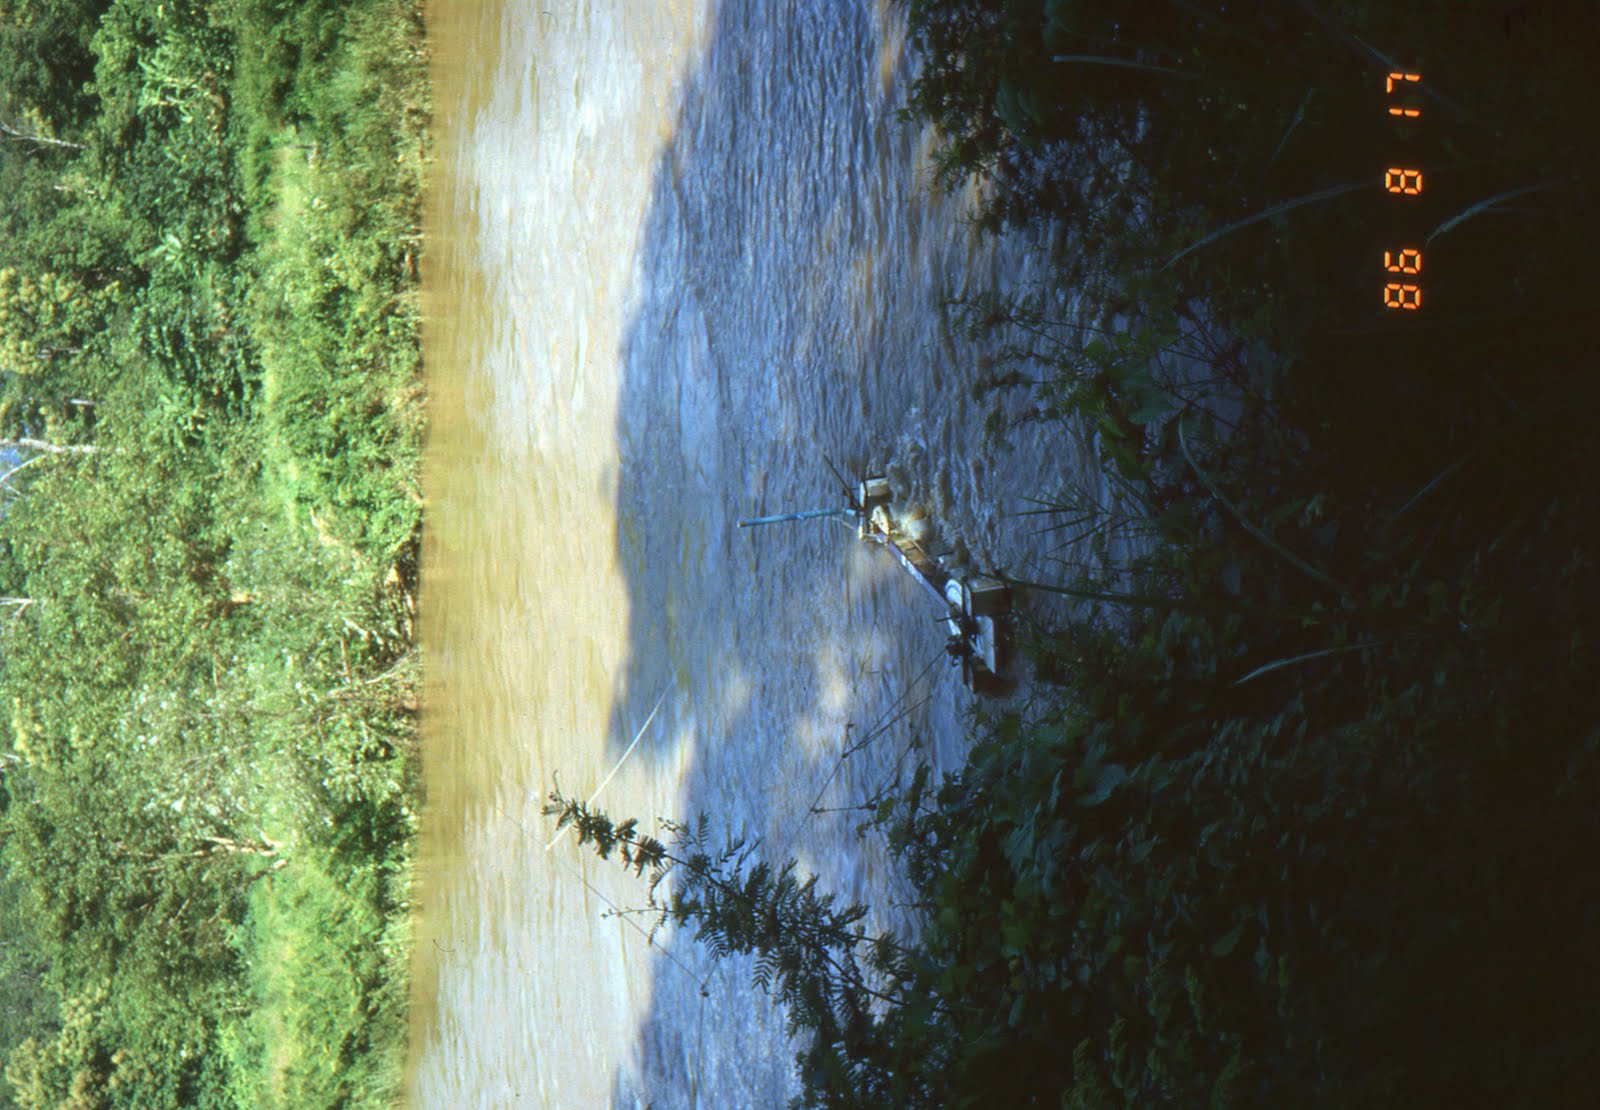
30	444
18	135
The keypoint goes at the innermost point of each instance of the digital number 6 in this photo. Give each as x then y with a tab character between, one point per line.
1408	262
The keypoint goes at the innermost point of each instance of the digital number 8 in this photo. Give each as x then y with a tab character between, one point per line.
1398	180
1396	295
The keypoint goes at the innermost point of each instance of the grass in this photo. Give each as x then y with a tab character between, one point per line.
335	317
326	950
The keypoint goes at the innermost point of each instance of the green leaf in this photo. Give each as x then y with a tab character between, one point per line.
1152	406
1112	776
1229	942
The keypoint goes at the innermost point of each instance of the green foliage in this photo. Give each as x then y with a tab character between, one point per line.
334	311
112	1051
1024	90
46	57
208	550
1246	849
28	1005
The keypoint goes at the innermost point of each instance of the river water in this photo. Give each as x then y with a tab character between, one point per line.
681	253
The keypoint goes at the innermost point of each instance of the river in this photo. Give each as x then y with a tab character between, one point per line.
680	255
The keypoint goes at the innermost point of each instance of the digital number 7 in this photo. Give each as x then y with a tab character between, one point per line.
1408	110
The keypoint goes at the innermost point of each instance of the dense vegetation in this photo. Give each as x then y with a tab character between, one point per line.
1310	819
211	410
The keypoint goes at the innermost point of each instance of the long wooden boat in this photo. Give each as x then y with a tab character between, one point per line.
976	607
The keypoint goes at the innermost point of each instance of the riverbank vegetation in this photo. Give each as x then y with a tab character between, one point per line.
1308	817
210	408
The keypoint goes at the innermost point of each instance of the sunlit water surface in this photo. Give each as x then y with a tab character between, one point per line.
680	253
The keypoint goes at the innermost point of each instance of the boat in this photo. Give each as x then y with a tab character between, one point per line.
976	606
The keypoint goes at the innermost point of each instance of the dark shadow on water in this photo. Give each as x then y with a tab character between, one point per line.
736	383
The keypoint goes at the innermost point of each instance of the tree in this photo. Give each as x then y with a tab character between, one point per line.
860	1001
47	60
42	317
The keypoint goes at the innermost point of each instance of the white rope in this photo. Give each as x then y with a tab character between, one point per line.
607	780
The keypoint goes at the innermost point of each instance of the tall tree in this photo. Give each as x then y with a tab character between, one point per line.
46	55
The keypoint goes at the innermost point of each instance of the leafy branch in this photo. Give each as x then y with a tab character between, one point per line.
851	992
